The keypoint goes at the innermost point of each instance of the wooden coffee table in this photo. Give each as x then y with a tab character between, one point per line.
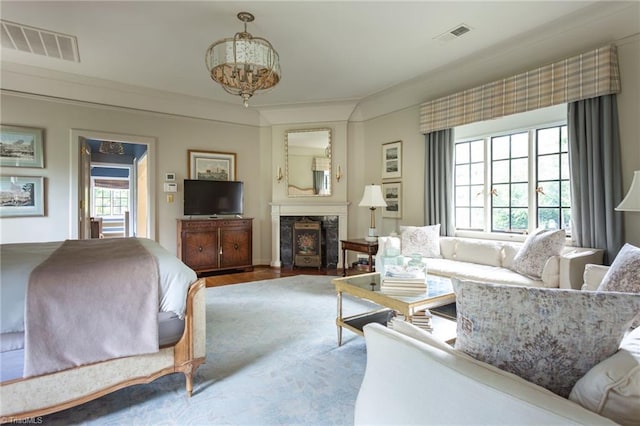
367	286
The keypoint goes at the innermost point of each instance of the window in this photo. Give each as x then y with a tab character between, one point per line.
513	182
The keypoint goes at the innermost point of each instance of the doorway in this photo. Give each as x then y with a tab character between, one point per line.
115	196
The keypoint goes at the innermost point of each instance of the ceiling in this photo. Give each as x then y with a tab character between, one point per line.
329	51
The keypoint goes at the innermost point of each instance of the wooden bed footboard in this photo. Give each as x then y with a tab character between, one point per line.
41	395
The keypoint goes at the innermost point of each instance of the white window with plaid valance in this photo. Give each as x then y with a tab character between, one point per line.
587	75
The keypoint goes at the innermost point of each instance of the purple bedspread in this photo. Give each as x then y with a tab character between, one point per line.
90	301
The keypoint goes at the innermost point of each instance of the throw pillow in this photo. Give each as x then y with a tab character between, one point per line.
539	246
612	388
424	240
624	274
551	337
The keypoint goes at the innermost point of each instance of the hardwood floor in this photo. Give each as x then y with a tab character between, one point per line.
266	273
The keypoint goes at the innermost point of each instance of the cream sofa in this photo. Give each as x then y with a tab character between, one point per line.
412	378
489	261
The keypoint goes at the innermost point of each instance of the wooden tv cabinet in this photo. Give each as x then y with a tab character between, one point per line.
207	245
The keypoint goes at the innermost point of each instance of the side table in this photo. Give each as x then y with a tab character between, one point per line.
361	246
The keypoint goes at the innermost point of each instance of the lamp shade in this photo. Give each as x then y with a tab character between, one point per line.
372	197
631	202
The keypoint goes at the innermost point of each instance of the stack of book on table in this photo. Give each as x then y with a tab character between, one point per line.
420	319
404	282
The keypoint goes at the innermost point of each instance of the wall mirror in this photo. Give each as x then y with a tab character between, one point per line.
308	162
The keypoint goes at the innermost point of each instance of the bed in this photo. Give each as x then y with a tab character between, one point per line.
177	309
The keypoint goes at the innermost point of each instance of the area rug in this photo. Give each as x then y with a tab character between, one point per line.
272	358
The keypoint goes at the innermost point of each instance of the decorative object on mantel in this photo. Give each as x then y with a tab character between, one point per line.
372	198
243	64
631	203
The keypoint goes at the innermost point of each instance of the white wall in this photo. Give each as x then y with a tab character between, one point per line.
174	136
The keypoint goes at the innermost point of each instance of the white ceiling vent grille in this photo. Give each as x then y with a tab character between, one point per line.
39	41
454	33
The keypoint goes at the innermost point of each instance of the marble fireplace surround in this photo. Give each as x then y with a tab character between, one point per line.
298	208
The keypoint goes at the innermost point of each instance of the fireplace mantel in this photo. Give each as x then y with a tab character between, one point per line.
301	208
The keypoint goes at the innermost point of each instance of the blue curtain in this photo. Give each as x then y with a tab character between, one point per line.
438	180
596	181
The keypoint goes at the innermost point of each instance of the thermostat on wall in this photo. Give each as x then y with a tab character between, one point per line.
170	187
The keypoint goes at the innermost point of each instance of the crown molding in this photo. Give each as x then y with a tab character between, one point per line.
29	80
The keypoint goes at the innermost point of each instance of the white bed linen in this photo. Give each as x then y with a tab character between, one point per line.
18	260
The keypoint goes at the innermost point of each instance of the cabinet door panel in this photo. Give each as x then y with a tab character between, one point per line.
199	250
236	247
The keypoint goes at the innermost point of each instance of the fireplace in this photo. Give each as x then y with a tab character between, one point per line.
328	239
307	243
333	228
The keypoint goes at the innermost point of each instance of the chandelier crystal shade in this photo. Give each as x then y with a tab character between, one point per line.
243	64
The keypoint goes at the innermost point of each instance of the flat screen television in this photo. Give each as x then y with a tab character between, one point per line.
213	197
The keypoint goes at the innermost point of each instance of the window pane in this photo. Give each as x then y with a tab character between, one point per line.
565	193
551	196
477	218
500	171
564	165
462	196
462	218
500	219
501	196
477	150
564	139
519	219
500	147
462	153
477	173
520	194
520	170
548	141
462	175
477	195
549	218
520	145
549	167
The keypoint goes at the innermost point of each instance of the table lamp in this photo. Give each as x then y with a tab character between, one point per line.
372	198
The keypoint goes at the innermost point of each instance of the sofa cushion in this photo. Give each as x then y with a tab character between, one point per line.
550	337
612	387
624	274
482	252
509	253
539	246
448	247
477	272
424	240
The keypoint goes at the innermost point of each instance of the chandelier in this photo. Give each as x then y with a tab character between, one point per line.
243	64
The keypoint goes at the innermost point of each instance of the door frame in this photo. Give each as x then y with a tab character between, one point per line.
75	190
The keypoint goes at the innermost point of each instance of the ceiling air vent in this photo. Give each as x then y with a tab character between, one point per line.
39	41
453	33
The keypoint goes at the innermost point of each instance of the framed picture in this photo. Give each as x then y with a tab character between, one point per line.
21	196
392	160
392	193
207	165
21	147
